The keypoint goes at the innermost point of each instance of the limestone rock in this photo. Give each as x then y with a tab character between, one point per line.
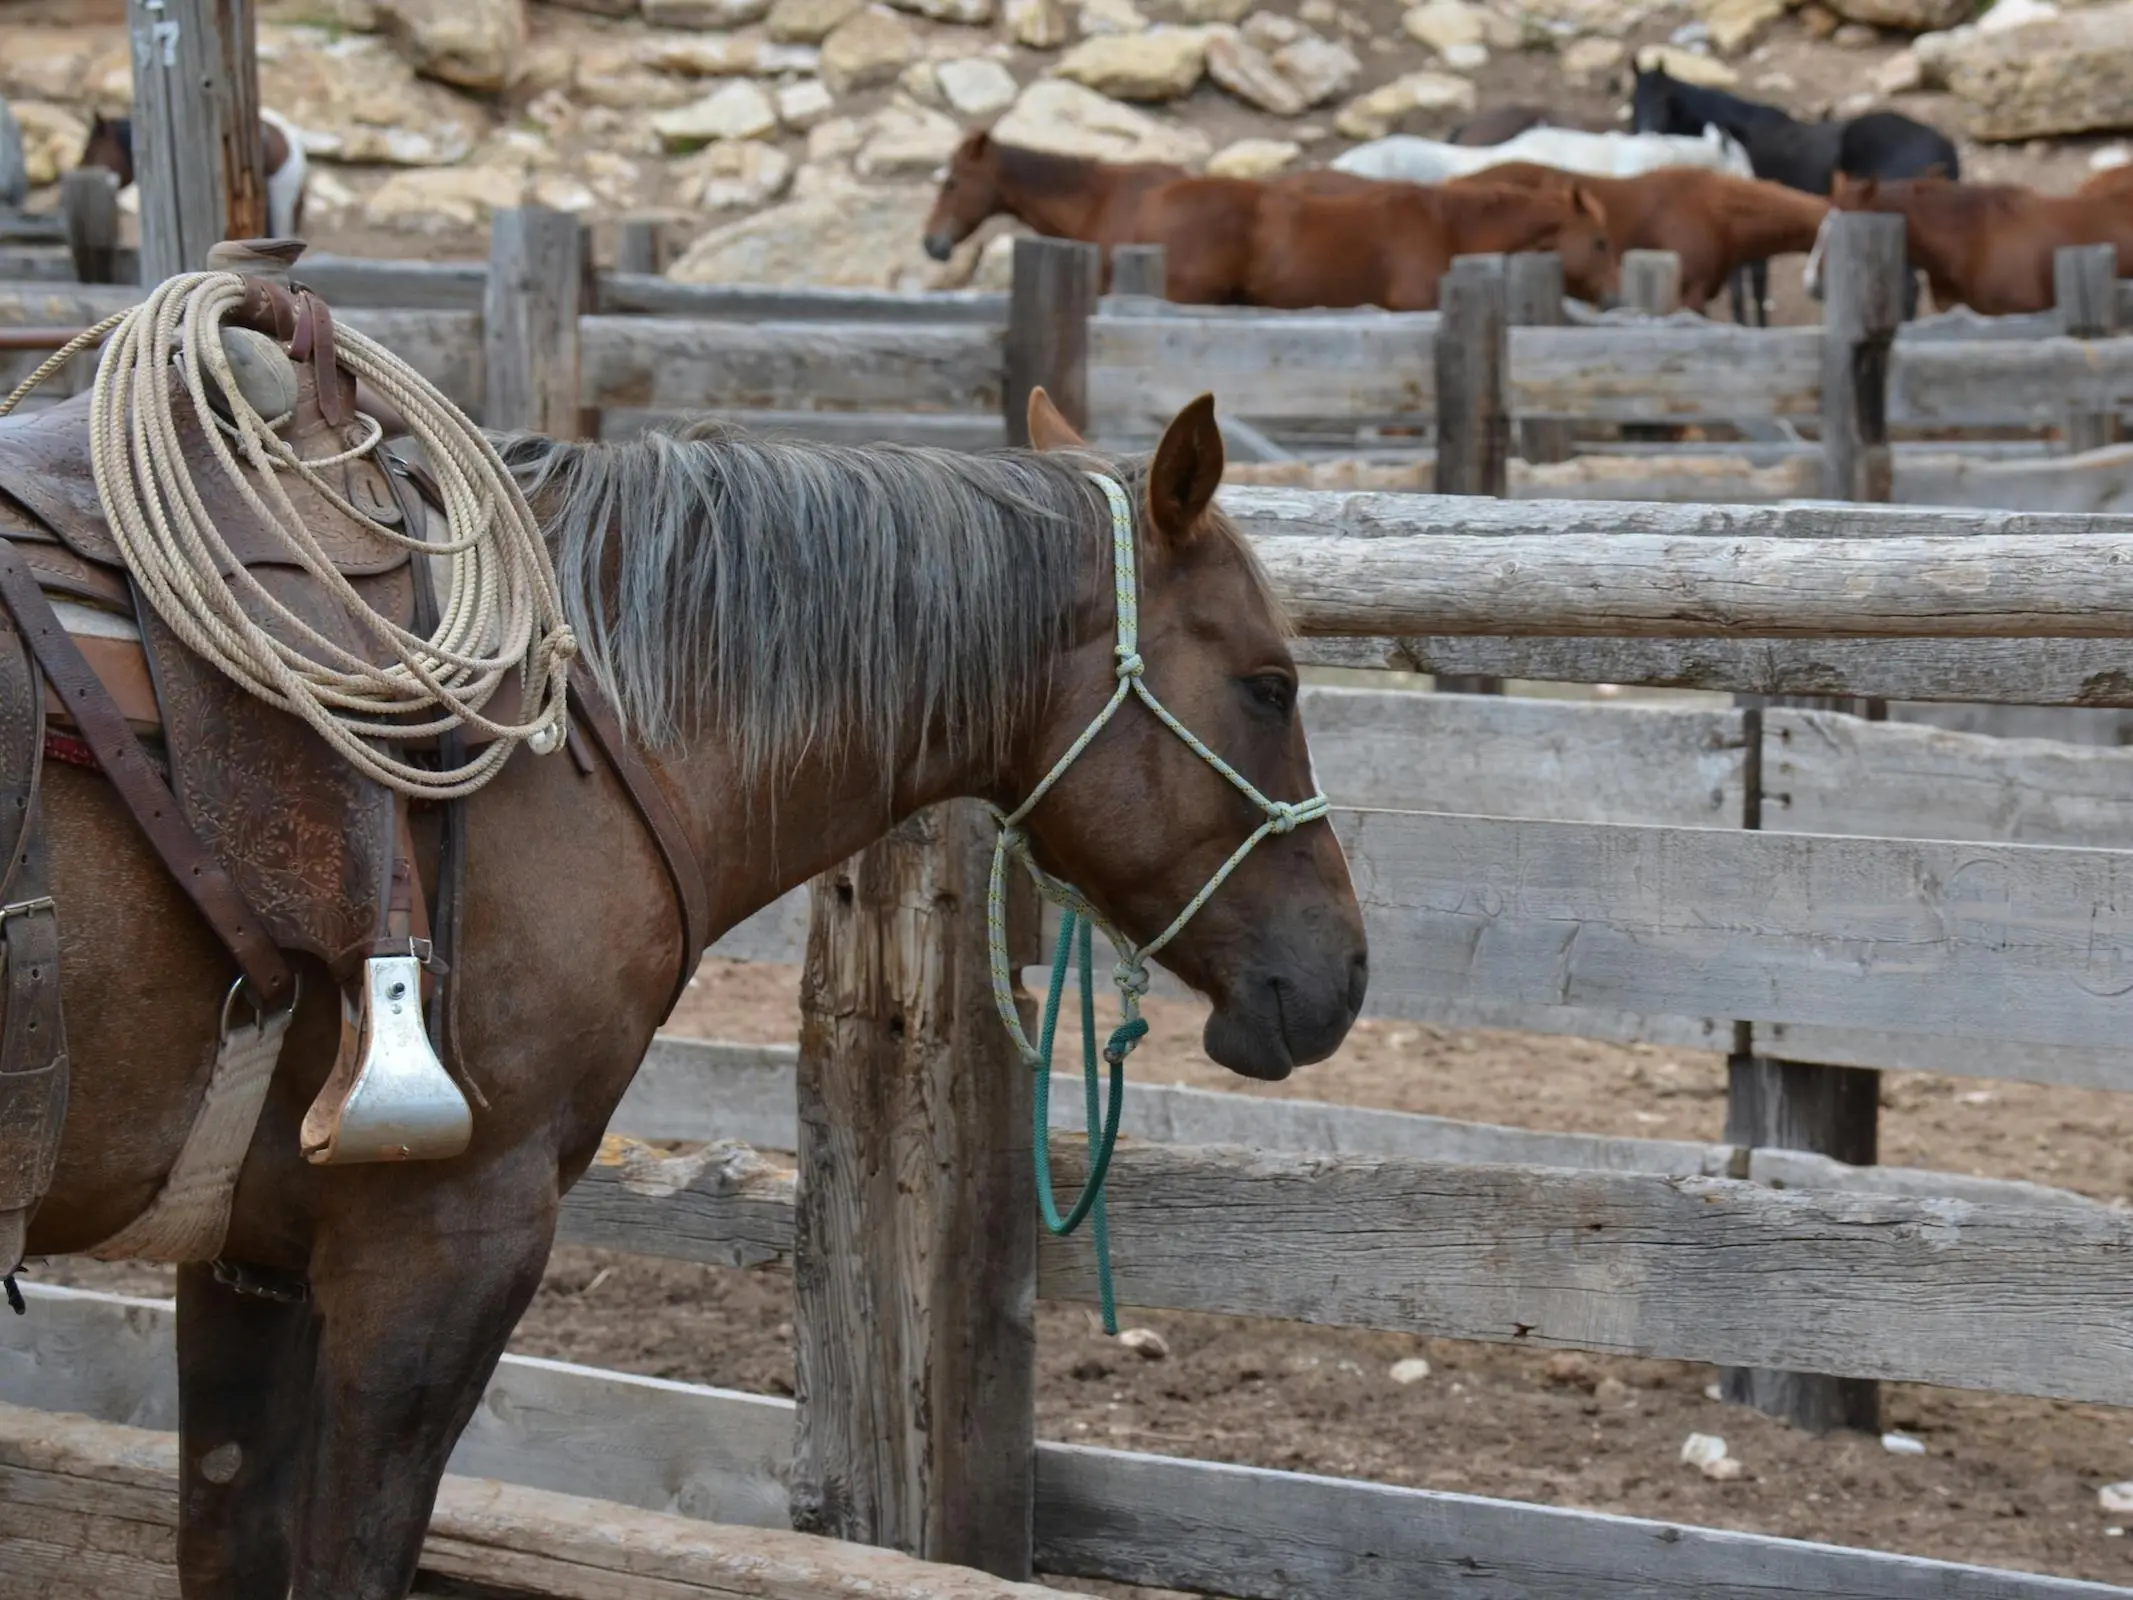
1855	36
816	179
1442	24
1378	113
907	141
1246	72
861	238
977	87
2065	74
921	82
870	49
809	21
1321	69
995	267
46	63
600	8
1101	17
736	110
469	44
1253	158
970	13
1270	30
1686	66
440	199
52	137
1900	74
838	139
801	105
1734	24
1592	58
1053	114
1910	16
1212	11
737	175
1465	57
718	55
704	13
1161	64
1036	24
357	101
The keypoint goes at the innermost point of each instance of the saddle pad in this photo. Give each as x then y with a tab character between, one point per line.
45	465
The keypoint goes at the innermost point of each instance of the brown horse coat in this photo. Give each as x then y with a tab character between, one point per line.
1715	222
1989	246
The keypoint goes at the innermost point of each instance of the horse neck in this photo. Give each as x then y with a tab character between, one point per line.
1771	219
1481	221
1059	196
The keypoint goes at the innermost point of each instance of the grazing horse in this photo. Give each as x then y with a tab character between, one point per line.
805	643
1403	158
1989	246
1801	155
1716	223
1062	197
110	146
1334	240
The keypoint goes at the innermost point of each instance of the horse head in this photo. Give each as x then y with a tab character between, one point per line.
110	146
1592	270
1651	103
1141	821
970	192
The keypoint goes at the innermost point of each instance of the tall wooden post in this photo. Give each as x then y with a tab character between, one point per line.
538	284
1533	293
1651	281
197	157
914	1248
1138	269
1797	1105
1473	357
1048	307
644	246
2085	285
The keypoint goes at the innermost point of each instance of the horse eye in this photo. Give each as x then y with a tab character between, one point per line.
1273	691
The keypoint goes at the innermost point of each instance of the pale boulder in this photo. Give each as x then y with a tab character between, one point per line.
1212	11
1161	64
1036	24
869	50
1443	24
976	87
1686	66
704	13
921	82
1253	158
357	101
1735	24
1380	112
1247	72
736	110
719	55
2060	75
907	141
1098	18
619	78
1270	30
851	238
1321	70
46	63
738	175
801	105
1053	114
968	13
440	199
809	21
470	44
1585	59
52	137
1908	16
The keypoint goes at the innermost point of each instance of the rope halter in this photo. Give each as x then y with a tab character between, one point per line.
1131	973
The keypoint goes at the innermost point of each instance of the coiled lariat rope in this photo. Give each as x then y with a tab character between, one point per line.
502	610
1079	915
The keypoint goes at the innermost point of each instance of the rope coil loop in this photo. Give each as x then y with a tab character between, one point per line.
502	610
1130	975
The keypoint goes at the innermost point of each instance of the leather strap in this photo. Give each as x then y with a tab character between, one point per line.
33	1040
154	807
667	832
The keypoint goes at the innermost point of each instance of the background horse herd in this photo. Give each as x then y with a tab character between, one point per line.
1723	182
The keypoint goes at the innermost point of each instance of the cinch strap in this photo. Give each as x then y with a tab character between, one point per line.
1131	972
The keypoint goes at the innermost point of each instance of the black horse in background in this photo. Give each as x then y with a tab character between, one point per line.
1800	155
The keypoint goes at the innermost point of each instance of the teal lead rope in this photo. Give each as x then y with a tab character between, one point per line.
1080	916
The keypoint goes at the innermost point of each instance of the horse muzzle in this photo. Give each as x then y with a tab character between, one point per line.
939	246
1272	1023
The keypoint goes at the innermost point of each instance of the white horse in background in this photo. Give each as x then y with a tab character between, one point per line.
1404	158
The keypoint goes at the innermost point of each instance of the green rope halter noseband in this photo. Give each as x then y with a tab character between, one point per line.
1079	915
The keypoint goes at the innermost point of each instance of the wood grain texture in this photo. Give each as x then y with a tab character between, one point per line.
1533	291
624	293
2085	287
673	364
1471	355
1056	282
1651	281
530	354
196	147
1867	272
1139	270
641	246
914	1250
87	1501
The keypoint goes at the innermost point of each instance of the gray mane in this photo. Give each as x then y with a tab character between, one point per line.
796	595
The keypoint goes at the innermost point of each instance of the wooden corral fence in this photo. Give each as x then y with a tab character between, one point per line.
1911	897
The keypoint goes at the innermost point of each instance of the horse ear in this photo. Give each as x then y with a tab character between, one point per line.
1048	426
1186	472
1589	203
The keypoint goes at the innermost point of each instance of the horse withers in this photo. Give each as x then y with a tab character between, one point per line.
110	146
803	644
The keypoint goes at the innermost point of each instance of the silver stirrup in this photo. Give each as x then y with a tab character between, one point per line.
395	1102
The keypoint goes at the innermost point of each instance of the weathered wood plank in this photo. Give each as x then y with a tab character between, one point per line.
86	1498
2014	942
198	168
941	430
1963	385
530	356
668	363
624	293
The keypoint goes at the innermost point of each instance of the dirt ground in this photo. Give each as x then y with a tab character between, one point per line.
2004	1481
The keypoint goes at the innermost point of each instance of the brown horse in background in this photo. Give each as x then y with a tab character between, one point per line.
808	643
1715	222
2116	182
1358	243
1989	246
1061	197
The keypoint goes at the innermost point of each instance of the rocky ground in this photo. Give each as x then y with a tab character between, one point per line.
795	140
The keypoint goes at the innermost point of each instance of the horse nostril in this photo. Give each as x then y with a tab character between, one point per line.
1358	980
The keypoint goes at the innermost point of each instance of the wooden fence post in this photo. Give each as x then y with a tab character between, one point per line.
1651	281
1798	1105
1533	288
644	246
1138	269
1473	354
1048	307
2085	285
197	157
914	1243
529	333
88	200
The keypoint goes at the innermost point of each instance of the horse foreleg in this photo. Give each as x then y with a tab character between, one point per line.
244	1400
418	1290
1759	274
